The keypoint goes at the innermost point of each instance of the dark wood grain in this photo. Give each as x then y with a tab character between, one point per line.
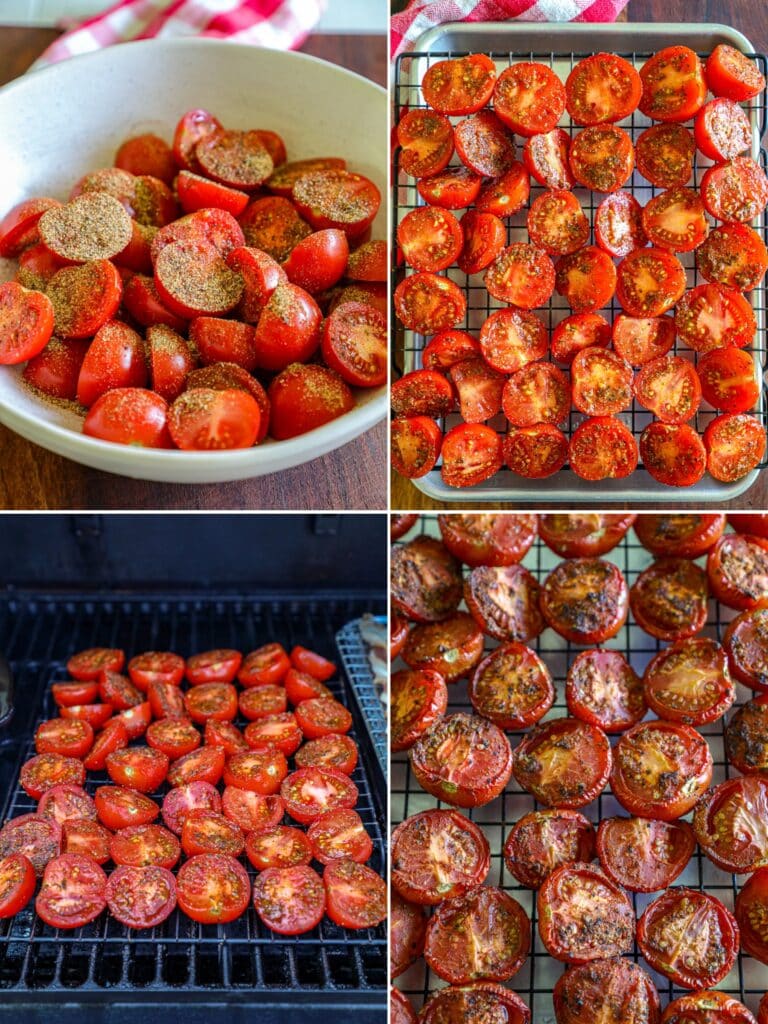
352	477
751	18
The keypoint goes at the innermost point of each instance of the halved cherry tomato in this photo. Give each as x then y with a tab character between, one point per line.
675	220
736	190
422	393
279	730
484	145
96	715
755	523
669	599
145	845
689	682
332	751
423	869
576	332
749	910
640	340
112	737
139	768
117	690
669	387
73	892
722	130
60	736
305	397
439	764
271	225
512	338
136	720
711	315
546	157
193	126
213	888
564	763
211	700
673	85
602	689
162	666
260	771
544	840
585	600
451	647
249	810
453	188
118	807
512	687
501	937
690	937
557	223
198	193
175	736
18	228
733	255
427	303
368	262
141	897
310	792
660	769
600	88
289	900
426	580
42	772
471	453
579	535
301	686
459	86
266	665
234	158
649	282
281	846
488	539
88	665
66	803
664	154
399	628
484	237
87	837
426	141
505	195
735	446
504	601
602	448
737	568
611	991
322	716
224	735
583	915
354	344
729	379
84	298
481	999
529	98
746	640
37	838
601	382
602	157
339	834
55	370
535	452
644	855
166	700
587	279
521	275
205	764
673	454
26	323
417	700
730	73
356	896
415	443
260	701
684	536
219	666
282	180
430	238
180	800
205	831
618	224
408	925
337	199
728	822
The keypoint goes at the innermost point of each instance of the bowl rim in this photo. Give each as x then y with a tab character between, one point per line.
292	452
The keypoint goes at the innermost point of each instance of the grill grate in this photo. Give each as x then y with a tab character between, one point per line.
564	485
748	979
180	957
354	654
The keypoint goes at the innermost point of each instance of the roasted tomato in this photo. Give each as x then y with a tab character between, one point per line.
737	567
583	915
338	835
611	991
664	154
415	445
729	822
140	768
17	884
736	190
260	771
669	599
211	700
673	85
472	453
289	901
746	641
544	840
418	699
505	602
322	716
44	771
564	763
521	275
114	736
332	751
400	1009
644	855
437	855
673	453
37	838
529	98
660	769
66	803
174	736
501	934
141	897
179	801
356	895
205	764
479	388
207	831
428	303
602	88
689	937
684	536
281	730
118	807
143	845
710	1008
585	600
156	666
488	539
477	1002
535	452
426	141
451	647
649	282
746	737
583	535
58	736
308	793
512	687
604	690
463	759
751	903
166	701
538	393
546	157
408	927
118	691
426	580
735	446
601	448
689	682
733	255
755	523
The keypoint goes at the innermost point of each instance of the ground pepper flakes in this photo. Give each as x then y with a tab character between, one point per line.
93	226
115	182
193	279
338	196
84	297
238	159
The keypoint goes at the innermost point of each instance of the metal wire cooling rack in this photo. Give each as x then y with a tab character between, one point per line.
354	654
749	978
181	961
564	487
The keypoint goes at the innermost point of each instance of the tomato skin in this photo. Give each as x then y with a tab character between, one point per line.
705	968
583	535
415	443
750	902
502	937
453	188
426	141
141	897
17	884
603	690
112	737
711	1008
471	453
612	991
460	86
407	928
512	687
369	262
729	379
484	236
71	694
673	454
602	88
55	370
684	536
504	601
213	888
198	193
73	892
288	330
628	849
18	228
736	568
300	686
305	397
451	647
497	540
713	691
224	735
118	807
746	641
96	715
266	665
665	797
568	930
130	415
585	600
117	690
730	73
529	98
354	344
318	261
418	699
479	388
661	99
303	909
322	717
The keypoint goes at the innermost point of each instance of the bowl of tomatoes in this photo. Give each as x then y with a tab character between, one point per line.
64	126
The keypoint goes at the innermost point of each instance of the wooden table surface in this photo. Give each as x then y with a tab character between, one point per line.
751	18
352	477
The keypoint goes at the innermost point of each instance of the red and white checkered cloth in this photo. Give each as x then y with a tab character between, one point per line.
425	14
277	24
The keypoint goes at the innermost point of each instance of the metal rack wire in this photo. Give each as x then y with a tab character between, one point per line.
749	978
354	654
180	959
407	345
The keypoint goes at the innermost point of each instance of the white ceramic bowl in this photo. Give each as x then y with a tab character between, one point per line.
64	120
